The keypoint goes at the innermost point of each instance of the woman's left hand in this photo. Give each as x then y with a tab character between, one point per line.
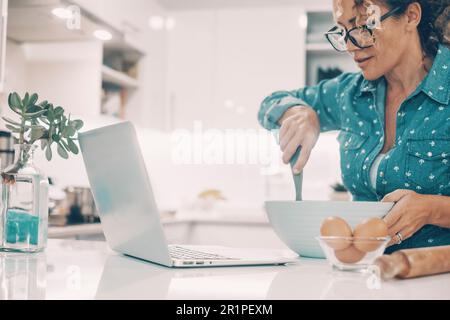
410	213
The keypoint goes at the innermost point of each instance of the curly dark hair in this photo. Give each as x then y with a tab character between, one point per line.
434	28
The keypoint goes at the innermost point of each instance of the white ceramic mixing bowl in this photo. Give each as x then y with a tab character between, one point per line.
297	223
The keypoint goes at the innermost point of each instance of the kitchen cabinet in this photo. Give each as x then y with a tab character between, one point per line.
104	9
233	63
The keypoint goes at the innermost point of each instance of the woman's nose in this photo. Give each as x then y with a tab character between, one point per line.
351	48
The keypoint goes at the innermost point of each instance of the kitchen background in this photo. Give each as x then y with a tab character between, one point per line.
171	65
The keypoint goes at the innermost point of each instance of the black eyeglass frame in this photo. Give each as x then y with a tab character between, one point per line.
348	36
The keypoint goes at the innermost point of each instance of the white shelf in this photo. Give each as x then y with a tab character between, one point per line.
319	47
120	79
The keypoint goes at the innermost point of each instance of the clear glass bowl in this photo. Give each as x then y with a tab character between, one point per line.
352	254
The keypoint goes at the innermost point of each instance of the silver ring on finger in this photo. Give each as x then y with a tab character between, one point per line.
399	237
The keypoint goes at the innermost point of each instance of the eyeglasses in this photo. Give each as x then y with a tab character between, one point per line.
360	36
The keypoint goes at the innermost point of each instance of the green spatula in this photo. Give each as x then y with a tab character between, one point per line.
298	178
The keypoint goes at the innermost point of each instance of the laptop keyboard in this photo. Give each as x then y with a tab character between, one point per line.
181	253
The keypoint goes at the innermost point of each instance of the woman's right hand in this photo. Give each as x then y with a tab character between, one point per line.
300	126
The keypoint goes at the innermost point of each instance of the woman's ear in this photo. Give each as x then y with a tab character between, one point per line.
414	16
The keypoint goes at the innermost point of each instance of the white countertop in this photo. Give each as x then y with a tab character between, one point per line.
89	270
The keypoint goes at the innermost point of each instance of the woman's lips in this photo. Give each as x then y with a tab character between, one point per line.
362	62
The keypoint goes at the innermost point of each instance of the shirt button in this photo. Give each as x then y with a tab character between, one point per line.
381	174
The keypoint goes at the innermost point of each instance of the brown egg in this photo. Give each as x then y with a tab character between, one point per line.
336	227
349	255
369	228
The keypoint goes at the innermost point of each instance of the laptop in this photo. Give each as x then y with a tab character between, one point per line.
129	214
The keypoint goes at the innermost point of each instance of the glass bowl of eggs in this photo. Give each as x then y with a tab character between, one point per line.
348	249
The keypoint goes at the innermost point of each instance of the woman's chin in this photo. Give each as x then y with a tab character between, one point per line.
370	75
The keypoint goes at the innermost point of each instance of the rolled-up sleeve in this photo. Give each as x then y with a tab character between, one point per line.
323	98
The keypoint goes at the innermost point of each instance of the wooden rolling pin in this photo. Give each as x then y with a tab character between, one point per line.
411	263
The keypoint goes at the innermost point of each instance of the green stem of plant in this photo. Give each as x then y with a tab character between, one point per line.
22	129
50	133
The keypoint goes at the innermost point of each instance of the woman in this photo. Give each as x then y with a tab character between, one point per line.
394	116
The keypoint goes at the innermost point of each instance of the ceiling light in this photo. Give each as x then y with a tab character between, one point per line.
103	35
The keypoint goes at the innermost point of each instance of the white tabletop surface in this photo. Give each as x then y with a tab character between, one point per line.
89	270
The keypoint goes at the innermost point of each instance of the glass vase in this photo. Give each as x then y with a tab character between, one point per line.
24	206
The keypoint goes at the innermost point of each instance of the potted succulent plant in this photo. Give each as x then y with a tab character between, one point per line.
24	206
